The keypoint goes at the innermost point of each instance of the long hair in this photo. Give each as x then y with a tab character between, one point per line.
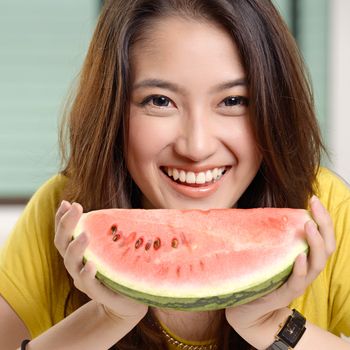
94	136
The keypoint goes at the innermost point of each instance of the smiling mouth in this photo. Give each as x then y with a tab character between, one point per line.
195	179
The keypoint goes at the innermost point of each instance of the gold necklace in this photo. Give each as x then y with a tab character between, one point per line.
180	345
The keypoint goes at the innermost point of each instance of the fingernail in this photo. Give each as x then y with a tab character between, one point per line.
66	205
303	256
83	237
318	205
312	226
313	199
76	205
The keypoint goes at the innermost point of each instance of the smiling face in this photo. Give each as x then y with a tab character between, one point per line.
190	144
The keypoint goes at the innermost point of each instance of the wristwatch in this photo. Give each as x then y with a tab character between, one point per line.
290	333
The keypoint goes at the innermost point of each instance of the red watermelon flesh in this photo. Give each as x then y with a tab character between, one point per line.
194	259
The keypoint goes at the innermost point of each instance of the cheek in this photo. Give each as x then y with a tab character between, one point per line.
239	137
148	136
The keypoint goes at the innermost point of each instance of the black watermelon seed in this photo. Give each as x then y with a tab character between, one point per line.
174	243
139	243
156	244
116	237
148	245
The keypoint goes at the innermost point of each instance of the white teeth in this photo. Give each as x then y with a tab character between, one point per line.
190	177
195	178
200	178
176	174
182	176
208	176
220	171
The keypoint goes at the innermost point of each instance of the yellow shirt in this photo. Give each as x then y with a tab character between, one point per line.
34	282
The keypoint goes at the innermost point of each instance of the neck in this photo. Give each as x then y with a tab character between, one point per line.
195	326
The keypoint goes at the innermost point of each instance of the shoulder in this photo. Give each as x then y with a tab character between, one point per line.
52	188
39	214
46	199
33	279
32	236
335	195
329	180
42	207
333	191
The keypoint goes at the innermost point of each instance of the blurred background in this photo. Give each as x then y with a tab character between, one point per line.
42	47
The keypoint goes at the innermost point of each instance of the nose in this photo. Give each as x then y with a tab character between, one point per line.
196	140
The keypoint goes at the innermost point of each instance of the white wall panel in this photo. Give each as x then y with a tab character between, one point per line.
339	82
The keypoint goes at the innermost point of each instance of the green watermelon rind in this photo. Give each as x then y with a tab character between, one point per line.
201	303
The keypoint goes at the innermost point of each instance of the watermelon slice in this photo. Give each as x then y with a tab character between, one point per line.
194	259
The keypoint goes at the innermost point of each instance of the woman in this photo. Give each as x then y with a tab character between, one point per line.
173	91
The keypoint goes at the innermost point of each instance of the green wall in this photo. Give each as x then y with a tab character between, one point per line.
313	40
42	45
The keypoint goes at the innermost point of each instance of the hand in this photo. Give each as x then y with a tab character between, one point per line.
116	306
257	322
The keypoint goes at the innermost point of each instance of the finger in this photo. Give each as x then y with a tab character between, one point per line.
66	226
281	297
317	253
324	222
87	282
73	258
291	289
89	270
63	208
306	268
296	282
97	291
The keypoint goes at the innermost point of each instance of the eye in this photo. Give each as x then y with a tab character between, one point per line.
232	101
234	106
157	101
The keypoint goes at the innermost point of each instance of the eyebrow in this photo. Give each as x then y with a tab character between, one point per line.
230	84
163	84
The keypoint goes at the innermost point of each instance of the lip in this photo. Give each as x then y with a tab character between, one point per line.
196	191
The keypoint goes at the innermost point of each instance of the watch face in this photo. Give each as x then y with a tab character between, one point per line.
291	333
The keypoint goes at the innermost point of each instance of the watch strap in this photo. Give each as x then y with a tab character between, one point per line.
278	345
290	332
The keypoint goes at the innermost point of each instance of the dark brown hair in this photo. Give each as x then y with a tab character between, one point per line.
281	103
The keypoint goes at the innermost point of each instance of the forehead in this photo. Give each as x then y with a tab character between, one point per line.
173	43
